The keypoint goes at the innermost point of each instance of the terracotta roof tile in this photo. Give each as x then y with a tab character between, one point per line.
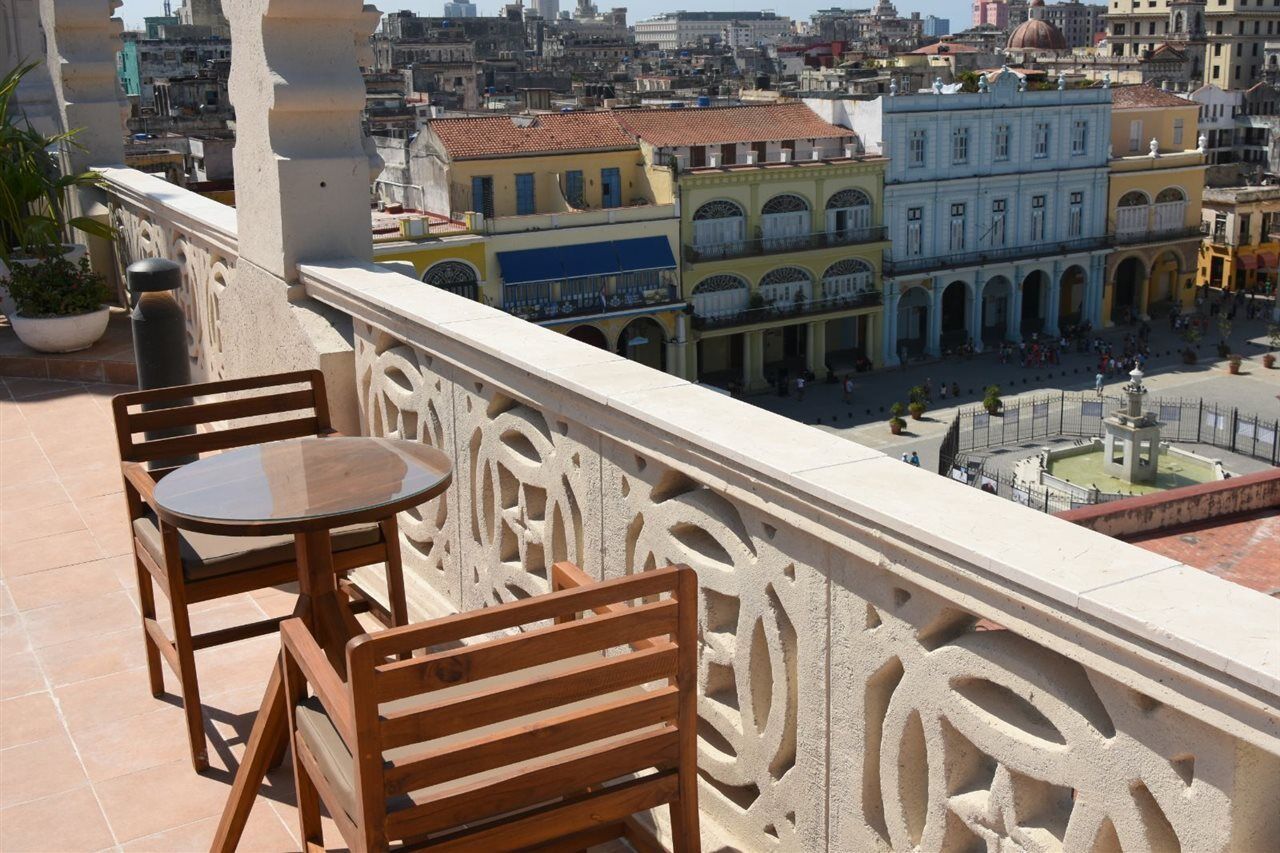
1145	97
511	136
717	125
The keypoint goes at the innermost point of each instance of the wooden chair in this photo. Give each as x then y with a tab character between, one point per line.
191	567
529	740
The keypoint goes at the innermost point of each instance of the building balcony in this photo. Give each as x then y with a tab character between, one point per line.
1158	235
556	302
907	266
887	659
781	245
783	311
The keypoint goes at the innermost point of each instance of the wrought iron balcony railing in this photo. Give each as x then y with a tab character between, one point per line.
777	245
994	254
783	310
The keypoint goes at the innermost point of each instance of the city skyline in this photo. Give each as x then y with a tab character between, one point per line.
133	11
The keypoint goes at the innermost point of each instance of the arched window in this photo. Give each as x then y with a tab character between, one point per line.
785	222
784	285
1170	211
719	227
847	279
453	276
848	213
719	296
1177	23
1132	213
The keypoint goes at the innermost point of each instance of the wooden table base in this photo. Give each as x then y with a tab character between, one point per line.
328	616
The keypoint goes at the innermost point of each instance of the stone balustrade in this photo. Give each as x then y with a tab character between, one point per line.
889	660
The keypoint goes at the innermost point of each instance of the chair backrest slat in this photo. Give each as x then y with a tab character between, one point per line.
521	743
552	777
296	400
532	648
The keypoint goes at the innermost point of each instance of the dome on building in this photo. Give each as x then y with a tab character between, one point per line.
1037	34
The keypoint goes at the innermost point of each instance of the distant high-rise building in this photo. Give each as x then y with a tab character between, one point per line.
460	9
548	9
936	27
205	13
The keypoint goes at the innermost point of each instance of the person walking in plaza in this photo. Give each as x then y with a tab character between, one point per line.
1097	383
800	387
848	390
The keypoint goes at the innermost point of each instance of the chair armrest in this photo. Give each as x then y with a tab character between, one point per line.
565	575
141	481
303	650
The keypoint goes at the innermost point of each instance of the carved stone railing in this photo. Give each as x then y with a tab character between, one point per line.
889	660
153	218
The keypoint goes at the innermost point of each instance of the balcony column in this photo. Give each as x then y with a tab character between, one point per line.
302	178
1093	291
21	40
816	347
1013	326
753	360
1055	298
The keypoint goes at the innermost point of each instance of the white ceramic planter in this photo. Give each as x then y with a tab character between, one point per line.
61	334
71	251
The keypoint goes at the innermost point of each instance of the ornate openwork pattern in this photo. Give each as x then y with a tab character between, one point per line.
786	203
785	275
1133	198
206	274
1168	195
718	283
848	198
449	274
718	210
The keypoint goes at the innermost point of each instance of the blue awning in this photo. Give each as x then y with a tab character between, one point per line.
645	253
530	265
587	259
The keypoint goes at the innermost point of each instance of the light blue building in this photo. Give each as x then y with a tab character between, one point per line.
935	27
996	206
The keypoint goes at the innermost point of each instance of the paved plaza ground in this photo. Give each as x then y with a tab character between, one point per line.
866	421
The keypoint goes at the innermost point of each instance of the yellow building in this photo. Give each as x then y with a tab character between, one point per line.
1156	184
781	239
554	218
1240	251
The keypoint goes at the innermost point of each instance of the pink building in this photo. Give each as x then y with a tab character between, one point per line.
994	12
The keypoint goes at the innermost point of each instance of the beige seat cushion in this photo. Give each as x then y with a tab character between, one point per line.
335	762
205	555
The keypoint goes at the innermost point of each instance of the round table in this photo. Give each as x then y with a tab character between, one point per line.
305	487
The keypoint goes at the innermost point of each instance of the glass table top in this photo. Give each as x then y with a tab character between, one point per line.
286	484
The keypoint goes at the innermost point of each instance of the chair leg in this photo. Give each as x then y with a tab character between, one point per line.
685	833
395	573
147	601
190	684
310	827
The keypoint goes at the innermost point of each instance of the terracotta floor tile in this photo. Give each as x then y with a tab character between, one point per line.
114	537
130	802
40	769
12	424
104	508
48	552
71	820
22	389
13	636
82	619
92	483
6	600
121	746
20	674
32	495
65	584
108	654
24	462
19	525
237	666
85	704
264	832
28	718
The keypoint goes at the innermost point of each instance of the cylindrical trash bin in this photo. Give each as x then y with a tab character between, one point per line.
160	335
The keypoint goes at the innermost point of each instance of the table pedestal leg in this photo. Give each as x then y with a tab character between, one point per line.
331	621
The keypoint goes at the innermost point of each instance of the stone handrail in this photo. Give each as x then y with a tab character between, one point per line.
889	660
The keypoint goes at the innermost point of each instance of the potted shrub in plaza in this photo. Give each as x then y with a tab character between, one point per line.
1273	339
991	400
896	423
1190	337
1233	362
1224	335
60	305
917	404
34	194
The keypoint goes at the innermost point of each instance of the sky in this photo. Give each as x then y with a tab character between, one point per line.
958	11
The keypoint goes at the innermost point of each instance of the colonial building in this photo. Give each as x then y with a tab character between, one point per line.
1157	179
1240	249
575	235
996	201
674	30
781	233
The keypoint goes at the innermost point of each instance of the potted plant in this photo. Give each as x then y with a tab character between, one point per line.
1273	339
917	405
1190	337
59	305
34	194
1224	335
991	400
1233	362
896	423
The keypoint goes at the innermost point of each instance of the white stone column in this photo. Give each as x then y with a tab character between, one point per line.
975	312
22	41
890	313
933	339
1013	328
82	40
1055	298
301	163
816	347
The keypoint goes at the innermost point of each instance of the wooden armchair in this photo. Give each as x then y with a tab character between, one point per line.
529	740
190	567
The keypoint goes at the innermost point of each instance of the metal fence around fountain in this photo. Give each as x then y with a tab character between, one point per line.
1079	414
975	473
